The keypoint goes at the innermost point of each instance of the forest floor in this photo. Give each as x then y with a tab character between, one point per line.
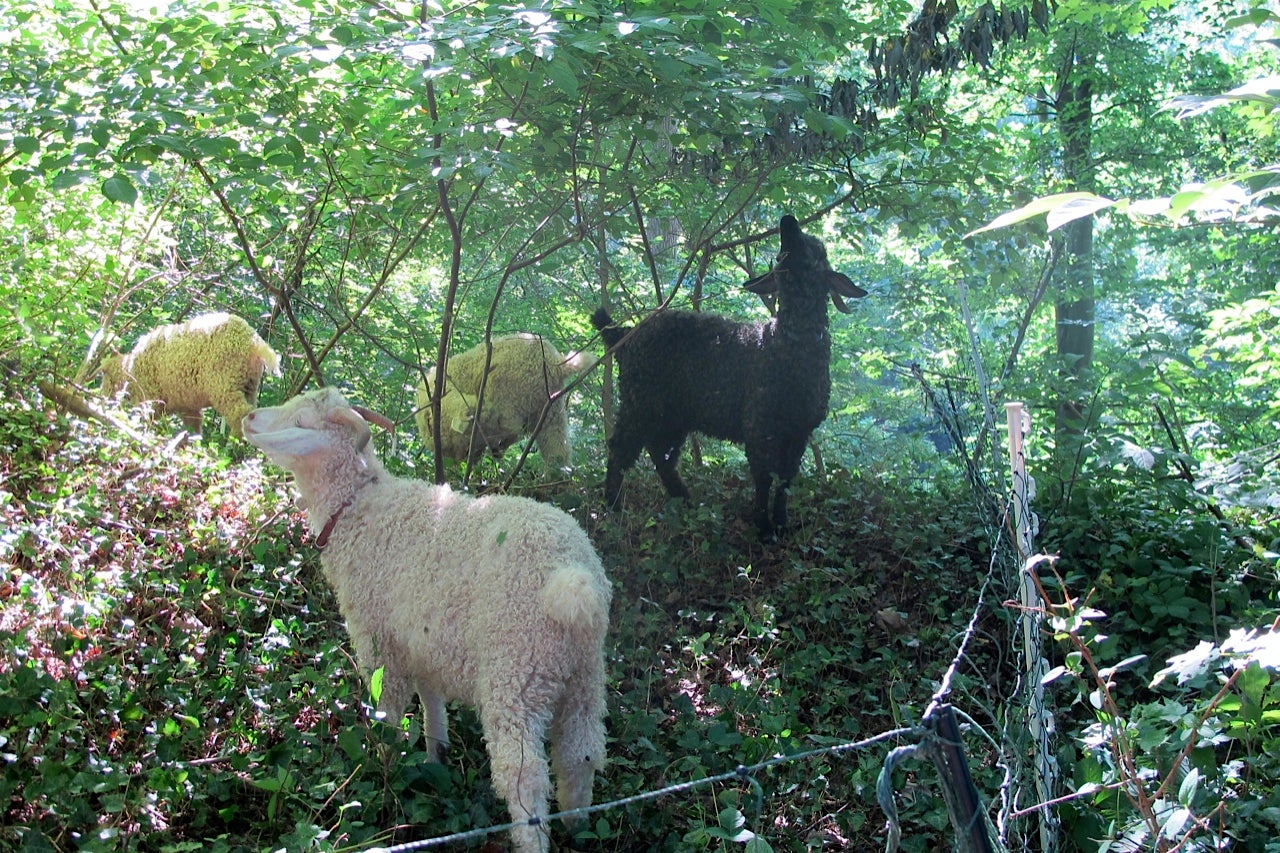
174	674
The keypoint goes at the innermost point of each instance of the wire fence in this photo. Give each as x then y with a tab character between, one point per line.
743	773
1024	750
1017	817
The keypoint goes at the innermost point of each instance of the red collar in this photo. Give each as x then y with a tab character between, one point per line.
327	531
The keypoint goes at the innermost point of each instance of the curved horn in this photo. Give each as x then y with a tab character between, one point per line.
374	418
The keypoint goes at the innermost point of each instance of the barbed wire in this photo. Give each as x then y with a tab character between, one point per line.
742	773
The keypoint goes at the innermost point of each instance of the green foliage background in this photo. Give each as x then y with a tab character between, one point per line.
373	184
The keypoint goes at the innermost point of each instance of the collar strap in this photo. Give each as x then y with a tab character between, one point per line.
325	532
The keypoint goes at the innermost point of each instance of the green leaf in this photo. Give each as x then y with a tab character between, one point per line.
215	146
351	741
176	144
1252	18
564	76
1187	790
120	189
68	178
1059	209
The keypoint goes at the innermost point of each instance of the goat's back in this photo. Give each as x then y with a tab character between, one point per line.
685	371
183	363
463	586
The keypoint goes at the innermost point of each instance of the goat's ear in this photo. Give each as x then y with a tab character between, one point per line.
766	287
284	445
763	285
841	285
350	420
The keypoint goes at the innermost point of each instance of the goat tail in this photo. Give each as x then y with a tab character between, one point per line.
604	325
263	352
577	362
578	599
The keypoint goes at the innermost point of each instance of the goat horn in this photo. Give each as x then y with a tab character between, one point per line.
374	418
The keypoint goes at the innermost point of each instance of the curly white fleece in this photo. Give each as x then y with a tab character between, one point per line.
500	602
213	360
526	375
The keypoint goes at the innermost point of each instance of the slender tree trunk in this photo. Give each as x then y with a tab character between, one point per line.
606	375
1074	308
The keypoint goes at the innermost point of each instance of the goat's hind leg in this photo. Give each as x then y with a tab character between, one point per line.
517	758
665	453
578	739
435	726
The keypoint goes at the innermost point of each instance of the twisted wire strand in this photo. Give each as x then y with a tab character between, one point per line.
742	772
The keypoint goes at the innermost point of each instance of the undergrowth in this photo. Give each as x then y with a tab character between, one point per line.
174	674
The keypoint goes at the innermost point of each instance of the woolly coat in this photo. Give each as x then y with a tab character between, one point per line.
214	360
764	385
500	602
526	375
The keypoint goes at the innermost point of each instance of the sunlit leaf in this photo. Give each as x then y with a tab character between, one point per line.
1190	665
1264	90
1175	823
1074	209
1140	456
1061	208
120	189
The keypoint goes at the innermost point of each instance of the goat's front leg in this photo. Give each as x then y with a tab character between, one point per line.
762	475
780	504
789	455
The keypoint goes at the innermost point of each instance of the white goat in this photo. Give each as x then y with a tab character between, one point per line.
500	602
213	360
526	375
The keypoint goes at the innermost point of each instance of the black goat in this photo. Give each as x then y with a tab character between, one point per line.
763	385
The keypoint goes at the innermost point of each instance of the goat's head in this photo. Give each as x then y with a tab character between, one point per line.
308	425
803	256
113	374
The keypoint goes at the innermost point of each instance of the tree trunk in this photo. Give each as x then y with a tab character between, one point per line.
1074	309
606	375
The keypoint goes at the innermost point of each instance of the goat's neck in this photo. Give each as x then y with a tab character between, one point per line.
801	322
332	485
